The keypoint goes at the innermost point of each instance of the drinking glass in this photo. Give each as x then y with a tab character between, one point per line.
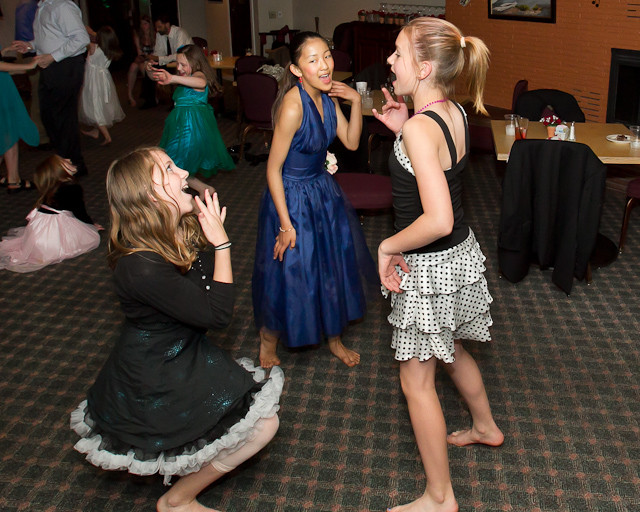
510	124
635	136
522	124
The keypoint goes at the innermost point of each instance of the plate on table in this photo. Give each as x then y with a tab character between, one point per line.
619	138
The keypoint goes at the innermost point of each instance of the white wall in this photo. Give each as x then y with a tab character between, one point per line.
8	23
284	7
192	17
218	30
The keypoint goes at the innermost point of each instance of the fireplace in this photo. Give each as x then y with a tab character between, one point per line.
623	104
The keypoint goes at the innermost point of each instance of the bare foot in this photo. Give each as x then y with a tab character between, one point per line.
132	102
427	504
91	133
268	346
493	437
347	356
163	505
105	142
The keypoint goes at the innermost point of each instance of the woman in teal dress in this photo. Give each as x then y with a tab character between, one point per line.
191	136
15	124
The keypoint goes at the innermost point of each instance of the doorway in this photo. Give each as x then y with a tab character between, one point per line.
240	23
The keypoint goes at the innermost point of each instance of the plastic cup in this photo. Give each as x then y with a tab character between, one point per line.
510	124
635	136
522	125
361	87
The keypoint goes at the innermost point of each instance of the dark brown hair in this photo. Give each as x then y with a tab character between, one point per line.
288	79
198	62
107	40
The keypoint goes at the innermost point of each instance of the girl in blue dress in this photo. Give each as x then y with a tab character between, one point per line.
307	285
15	124
191	136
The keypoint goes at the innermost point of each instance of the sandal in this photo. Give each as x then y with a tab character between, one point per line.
3	181
20	186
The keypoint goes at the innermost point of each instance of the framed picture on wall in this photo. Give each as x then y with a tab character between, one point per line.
523	10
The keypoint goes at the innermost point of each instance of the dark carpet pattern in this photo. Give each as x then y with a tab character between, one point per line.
561	374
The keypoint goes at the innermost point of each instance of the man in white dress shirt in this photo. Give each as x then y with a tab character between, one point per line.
168	39
60	42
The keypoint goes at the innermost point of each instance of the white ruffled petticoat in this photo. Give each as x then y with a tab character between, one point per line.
264	405
445	297
48	238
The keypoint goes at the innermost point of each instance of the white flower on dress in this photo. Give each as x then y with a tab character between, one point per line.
331	163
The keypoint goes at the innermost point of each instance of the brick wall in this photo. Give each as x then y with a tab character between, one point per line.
573	54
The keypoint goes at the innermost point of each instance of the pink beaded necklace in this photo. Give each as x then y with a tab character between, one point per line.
429	104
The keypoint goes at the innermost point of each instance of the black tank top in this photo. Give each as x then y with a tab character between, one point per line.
406	197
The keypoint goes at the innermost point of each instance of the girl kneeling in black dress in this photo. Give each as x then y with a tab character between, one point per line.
168	400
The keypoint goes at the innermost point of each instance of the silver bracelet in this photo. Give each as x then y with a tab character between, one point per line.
286	230
222	246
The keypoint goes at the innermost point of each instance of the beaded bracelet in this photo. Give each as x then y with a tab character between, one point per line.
286	230
222	246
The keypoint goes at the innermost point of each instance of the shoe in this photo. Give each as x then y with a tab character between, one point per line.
3	181
21	185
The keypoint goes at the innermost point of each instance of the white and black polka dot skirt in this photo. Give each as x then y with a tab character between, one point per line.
445	297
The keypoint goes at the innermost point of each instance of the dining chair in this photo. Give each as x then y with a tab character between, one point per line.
200	42
341	60
633	197
530	104
376	129
520	87
257	92
552	197
367	192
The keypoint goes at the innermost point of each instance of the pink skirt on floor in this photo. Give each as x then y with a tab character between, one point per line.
46	239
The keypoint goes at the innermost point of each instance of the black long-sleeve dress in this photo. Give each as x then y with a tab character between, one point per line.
168	400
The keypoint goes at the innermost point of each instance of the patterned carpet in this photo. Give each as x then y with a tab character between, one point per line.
561	374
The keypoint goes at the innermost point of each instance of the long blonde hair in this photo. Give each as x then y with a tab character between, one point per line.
141	220
442	43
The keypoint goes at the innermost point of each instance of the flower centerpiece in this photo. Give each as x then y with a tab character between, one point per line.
331	163
550	120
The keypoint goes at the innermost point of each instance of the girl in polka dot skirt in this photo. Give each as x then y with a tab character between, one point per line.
433	266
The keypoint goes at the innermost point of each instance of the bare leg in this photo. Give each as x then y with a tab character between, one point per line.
105	133
347	356
418	384
131	82
182	495
93	133
465	374
268	347
11	159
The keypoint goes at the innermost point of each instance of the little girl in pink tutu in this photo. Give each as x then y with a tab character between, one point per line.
59	226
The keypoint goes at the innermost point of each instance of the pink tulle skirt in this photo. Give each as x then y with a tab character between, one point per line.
46	239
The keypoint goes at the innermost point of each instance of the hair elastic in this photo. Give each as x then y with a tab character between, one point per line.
222	246
462	43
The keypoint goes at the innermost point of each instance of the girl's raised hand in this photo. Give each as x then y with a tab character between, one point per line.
394	112
211	218
162	76
343	91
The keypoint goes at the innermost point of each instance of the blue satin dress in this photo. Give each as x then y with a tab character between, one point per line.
318	287
191	136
